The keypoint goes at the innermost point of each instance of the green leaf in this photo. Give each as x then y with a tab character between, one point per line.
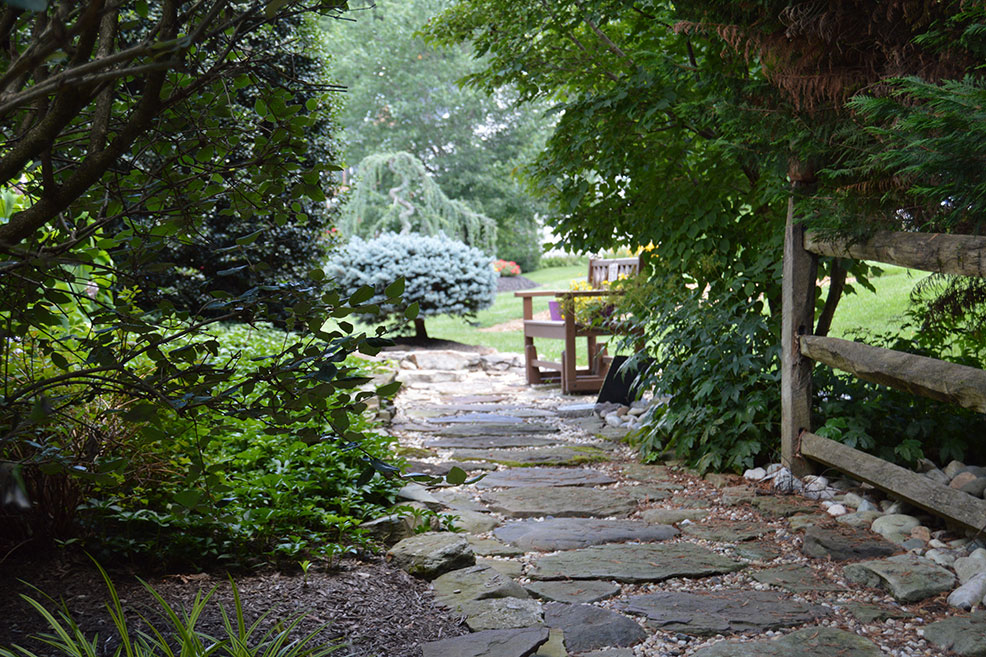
188	498
456	476
412	311
395	289
389	389
249	239
361	295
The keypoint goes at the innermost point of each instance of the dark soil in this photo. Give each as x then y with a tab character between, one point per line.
403	343
514	283
374	609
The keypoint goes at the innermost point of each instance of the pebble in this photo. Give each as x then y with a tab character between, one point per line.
837	510
755	474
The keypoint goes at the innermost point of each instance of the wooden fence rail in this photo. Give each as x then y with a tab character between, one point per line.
963	255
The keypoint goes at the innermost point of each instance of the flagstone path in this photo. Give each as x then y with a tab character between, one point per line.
572	548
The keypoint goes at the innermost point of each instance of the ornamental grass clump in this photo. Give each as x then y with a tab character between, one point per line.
442	276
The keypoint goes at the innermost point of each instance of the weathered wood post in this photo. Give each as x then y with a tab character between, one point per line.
798	316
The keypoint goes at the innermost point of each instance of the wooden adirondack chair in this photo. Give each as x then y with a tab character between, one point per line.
571	377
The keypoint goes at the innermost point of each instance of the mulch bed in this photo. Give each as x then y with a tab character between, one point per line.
374	608
514	283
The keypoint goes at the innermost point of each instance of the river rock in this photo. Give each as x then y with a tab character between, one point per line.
580	591
460	587
588	627
895	527
964	635
490	643
564	502
961	479
431	554
953	468
526	477
723	611
844	544
976	487
908	578
807	642
634	563
969	595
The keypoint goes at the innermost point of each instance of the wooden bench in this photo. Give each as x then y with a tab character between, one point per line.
572	378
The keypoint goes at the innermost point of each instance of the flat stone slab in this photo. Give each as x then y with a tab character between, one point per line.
782	506
494	429
491	442
726	532
634	563
559	502
642	472
509	567
429	555
645	493
816	641
442	469
796	578
964	635
539	456
489	643
476	418
545	477
844	543
502	614
458	500
866	612
489	547
571	533
906	577
722	612
672	516
458	588
583	591
588	627
472	522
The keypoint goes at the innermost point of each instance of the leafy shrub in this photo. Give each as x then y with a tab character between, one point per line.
518	238
717	363
571	260
443	276
179	631
506	268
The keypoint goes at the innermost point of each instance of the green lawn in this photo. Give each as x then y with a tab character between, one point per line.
862	310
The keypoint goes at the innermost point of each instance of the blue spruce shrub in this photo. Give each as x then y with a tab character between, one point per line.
443	276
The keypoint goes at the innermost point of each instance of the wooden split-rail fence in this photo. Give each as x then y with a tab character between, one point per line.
947	382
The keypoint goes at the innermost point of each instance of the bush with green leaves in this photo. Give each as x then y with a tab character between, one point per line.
177	632
717	363
442	276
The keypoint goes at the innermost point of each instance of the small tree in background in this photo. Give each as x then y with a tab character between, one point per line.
443	276
394	192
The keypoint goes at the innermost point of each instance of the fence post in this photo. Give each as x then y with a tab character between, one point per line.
798	316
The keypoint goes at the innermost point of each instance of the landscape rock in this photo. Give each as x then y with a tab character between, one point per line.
860	518
461	587
895	527
417	493
526	477
564	502
727	531
976	487
961	479
494	429
964	635
473	522
581	591
968	567
490	643
585	409
432	554
755	474
588	627
481	441
782	506
512	568
481	417
906	577
489	547
844	544
634	563
808	642
444	360
570	533
953	468
672	516
736	495
938	476
540	456
971	594
796	578
722	612
501	614
868	613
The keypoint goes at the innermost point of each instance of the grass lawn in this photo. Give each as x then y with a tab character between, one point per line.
863	310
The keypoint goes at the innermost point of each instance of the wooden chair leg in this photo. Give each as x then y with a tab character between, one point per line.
531	355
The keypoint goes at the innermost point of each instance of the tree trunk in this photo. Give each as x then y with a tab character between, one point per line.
837	282
419	328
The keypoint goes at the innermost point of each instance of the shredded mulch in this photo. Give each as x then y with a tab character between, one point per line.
372	608
514	283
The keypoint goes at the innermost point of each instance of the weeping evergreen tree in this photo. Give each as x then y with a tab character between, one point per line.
395	193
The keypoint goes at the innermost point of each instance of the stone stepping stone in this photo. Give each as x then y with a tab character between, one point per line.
487	442
796	578
442	469
458	501
736	495
507	409
431	554
572	533
906	577
963	635
722	612
672	516
545	477
564	502
502	614
588	424
476	399
493	429
634	563
844	543
650	473
489	547
588	627
866	612
511	568
645	493
540	456
816	641
609	652
782	506
476	418
726	532
489	643
757	551
458	588
583	591
472	522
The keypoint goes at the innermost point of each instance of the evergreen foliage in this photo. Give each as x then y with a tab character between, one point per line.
442	276
395	193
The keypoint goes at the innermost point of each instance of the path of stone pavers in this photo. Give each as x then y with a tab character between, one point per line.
571	548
